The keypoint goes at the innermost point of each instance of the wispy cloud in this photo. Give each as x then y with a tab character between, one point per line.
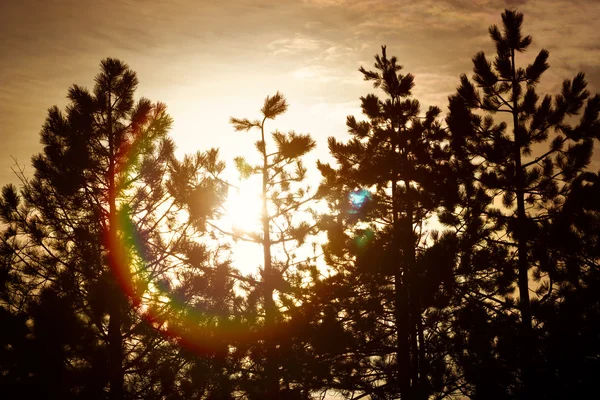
317	60
297	44
453	27
322	74
199	50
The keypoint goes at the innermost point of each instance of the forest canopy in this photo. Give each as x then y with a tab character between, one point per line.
449	251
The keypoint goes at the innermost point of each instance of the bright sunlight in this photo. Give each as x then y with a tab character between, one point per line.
242	212
243	206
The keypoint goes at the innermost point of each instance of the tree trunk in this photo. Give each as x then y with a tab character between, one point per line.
422	361
115	344
523	280
272	367
402	345
413	307
400	290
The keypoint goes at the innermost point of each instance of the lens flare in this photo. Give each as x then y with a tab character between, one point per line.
358	199
364	237
199	329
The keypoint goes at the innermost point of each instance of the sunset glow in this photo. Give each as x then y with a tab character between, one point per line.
299	199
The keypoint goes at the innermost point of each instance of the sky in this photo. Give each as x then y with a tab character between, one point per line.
209	60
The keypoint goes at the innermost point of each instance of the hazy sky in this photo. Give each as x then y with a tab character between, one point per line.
209	60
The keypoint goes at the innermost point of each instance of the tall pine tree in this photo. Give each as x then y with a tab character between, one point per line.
531	181
392	177
89	240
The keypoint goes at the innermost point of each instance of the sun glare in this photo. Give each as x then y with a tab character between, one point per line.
242	212
243	206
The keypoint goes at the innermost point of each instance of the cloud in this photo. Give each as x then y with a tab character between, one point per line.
325	3
309	48
317	60
443	35
337	52
312	25
322	74
299	43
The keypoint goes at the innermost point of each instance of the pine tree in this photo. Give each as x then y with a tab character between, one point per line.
286	225
393	175
569	300
532	183
94	234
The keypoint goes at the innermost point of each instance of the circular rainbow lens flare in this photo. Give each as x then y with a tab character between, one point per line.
201	329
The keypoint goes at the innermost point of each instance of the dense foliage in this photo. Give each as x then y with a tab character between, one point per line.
457	257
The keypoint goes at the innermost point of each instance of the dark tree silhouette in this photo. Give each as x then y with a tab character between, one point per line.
392	176
460	261
532	182
286	225
569	302
85	245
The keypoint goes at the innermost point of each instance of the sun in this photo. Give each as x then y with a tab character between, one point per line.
242	216
243	207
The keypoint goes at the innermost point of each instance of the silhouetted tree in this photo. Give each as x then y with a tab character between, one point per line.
531	182
569	302
285	225
392	177
116	280
93	239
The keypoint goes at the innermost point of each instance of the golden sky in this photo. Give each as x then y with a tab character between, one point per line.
209	60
